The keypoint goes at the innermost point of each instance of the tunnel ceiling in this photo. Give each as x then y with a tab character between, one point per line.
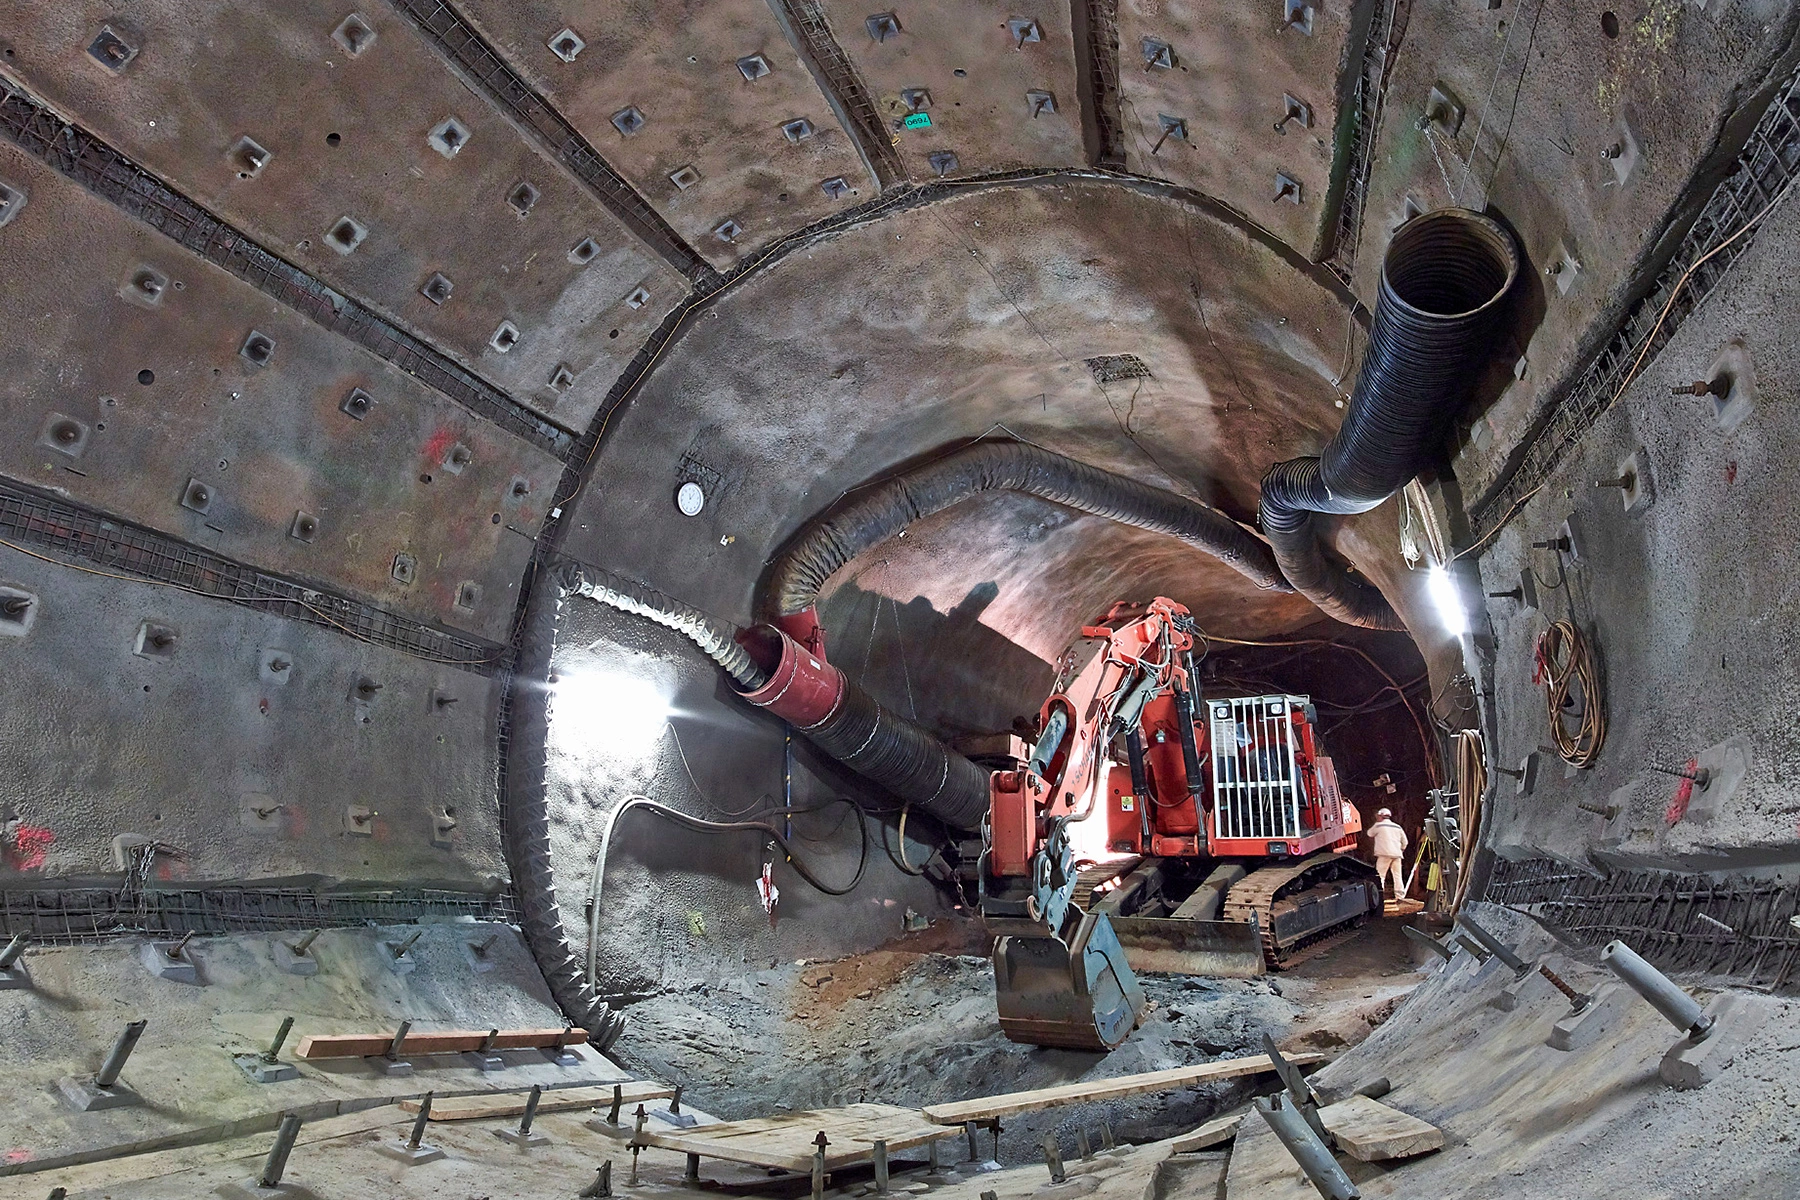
357	318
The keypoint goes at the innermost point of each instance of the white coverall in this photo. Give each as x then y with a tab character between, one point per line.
1390	848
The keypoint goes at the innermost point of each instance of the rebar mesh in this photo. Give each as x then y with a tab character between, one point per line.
1657	914
1387	26
92	915
842	82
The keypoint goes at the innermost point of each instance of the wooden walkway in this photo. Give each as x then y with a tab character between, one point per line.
787	1142
987	1108
632	1093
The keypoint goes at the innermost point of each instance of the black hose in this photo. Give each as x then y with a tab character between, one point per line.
903	757
824	544
1443	283
763	827
527	832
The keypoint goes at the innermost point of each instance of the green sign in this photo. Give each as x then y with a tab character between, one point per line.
918	120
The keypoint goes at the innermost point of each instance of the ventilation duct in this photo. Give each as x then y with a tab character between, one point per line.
1443	282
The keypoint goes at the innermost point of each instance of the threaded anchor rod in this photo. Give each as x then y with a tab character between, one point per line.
1577	1000
399	951
13	950
305	943
287	1025
393	1050
531	1103
418	1129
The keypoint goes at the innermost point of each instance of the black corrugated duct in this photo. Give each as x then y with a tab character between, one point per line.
528	830
1443	282
825	544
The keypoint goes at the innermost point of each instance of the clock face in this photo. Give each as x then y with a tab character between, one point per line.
690	499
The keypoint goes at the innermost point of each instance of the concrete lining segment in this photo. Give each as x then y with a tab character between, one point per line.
77	535
477	63
110	174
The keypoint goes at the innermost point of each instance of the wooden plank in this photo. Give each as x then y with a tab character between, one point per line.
511	1104
1370	1131
361	1045
1215	1131
988	1107
787	1141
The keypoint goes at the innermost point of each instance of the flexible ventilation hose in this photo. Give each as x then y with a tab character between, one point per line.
824	544
1443	283
528	833
823	706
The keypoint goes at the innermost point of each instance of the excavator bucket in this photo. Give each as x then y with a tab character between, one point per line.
1080	995
1174	946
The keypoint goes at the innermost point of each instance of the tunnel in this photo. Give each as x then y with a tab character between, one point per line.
1140	598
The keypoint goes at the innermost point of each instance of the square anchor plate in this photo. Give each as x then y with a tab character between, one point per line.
259	1071
156	960
522	1140
84	1095
412	1156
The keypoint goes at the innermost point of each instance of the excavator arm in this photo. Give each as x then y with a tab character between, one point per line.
1059	970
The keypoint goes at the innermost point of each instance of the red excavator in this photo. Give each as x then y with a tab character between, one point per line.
1151	828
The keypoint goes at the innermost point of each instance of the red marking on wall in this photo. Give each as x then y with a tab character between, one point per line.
1731	471
438	445
15	1156
29	846
1684	795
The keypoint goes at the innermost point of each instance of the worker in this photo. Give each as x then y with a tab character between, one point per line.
1390	848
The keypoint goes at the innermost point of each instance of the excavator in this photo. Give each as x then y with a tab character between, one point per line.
1154	829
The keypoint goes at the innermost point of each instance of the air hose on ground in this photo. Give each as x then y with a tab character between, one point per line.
824	544
1443	284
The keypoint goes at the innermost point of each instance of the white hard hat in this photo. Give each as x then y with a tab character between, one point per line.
1384	812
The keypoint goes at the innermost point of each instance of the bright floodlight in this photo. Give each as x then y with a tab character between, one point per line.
608	711
1447	602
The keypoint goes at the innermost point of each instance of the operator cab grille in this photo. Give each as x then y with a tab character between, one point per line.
1255	777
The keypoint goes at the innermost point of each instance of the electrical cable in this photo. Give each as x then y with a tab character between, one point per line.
900	858
636	801
1471	787
1564	659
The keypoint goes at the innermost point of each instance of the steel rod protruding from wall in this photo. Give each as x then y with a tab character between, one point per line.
1681	1009
276	1163
1312	1154
1500	949
121	1050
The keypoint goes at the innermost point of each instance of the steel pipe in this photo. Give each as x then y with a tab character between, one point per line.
276	1163
121	1050
1680	1009
1314	1157
1498	948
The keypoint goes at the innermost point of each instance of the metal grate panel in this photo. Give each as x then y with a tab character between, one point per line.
75	534
86	916
1255	780
1769	161
84	158
1102	45
1110	368
1387	26
478	62
1658	914
843	84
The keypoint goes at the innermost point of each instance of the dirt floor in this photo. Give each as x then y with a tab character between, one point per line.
914	1023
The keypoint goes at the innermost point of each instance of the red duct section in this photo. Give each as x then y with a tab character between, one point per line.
803	689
